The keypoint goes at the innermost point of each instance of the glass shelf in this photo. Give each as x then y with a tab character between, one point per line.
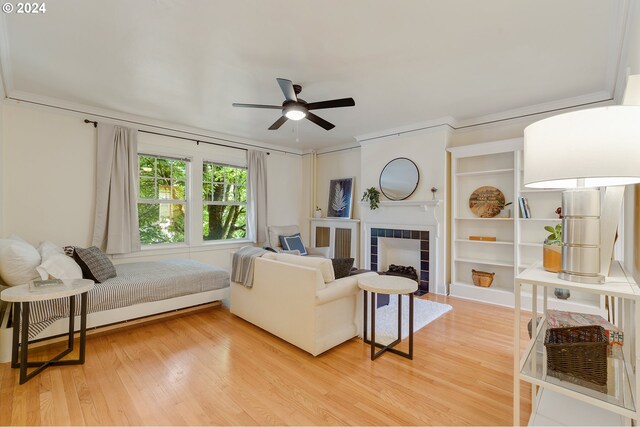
618	389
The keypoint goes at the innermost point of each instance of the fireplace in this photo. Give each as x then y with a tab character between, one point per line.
399	246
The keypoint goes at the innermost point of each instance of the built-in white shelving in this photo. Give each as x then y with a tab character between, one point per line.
519	240
484	242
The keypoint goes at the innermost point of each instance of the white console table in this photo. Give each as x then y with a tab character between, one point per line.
338	229
620	400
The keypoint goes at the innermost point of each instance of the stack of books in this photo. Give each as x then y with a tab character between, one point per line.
524	207
39	285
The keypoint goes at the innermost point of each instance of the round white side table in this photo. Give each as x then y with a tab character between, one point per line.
21	297
387	285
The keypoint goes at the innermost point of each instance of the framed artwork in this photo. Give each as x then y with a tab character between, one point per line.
340	198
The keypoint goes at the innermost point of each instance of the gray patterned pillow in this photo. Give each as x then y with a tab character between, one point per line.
342	267
94	263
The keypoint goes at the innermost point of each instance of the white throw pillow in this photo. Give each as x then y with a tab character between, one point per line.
47	249
59	266
18	261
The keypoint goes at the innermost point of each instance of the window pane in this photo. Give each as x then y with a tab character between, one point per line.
241	193
179	169
218	192
206	192
161	223
164	189
147	188
147	165
207	172
241	178
179	190
220	222
164	168
218	173
230	195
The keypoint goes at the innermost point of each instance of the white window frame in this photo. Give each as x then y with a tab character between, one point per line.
219	203
186	202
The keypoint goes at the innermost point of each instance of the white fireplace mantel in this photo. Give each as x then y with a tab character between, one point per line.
429	207
426	204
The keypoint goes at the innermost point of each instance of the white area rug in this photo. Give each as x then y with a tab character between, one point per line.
424	312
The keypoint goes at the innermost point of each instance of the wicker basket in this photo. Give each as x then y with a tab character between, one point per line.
579	351
482	278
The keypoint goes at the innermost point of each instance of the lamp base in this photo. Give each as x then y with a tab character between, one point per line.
597	279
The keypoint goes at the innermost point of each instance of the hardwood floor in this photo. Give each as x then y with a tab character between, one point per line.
214	368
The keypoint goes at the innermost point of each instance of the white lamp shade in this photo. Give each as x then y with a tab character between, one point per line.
599	145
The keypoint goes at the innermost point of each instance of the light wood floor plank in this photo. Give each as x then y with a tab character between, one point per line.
212	368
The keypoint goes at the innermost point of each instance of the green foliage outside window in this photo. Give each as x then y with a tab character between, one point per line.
162	199
224	196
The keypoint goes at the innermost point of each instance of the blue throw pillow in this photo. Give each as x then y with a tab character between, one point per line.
294	243
283	242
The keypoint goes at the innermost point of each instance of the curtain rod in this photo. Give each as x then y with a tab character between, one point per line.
95	124
198	141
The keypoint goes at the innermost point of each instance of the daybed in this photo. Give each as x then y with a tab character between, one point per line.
299	300
139	289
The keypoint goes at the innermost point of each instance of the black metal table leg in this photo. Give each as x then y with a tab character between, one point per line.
25	342
388	347
83	326
365	321
16	334
373	325
55	361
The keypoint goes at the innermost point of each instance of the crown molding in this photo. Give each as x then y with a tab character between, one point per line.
336	148
557	106
416	127
140	122
618	69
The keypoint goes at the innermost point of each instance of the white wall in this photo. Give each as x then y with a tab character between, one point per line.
49	176
427	149
339	164
48	171
287	192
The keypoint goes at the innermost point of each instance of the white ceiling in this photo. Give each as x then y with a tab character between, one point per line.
404	62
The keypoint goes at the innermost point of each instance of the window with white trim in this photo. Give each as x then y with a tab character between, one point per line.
162	199
224	201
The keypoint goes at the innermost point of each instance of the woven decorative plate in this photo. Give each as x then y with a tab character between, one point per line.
486	202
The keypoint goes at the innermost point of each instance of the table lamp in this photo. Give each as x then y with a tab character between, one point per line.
580	151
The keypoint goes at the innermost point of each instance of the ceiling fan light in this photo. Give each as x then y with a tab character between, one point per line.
295	113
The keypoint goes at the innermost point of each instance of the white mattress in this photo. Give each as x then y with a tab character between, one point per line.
135	283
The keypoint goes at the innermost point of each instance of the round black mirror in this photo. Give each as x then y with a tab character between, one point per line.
399	179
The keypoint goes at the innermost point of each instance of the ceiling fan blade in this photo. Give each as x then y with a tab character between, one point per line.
272	107
320	121
287	89
334	103
278	123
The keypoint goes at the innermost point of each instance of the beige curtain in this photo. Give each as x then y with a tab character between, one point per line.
116	229
256	196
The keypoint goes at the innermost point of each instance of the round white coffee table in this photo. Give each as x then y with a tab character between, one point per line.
390	285
21	297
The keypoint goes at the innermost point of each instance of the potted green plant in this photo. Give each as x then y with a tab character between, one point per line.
552	256
317	213
552	249
372	195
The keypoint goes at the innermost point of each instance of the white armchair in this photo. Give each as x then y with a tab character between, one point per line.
275	231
